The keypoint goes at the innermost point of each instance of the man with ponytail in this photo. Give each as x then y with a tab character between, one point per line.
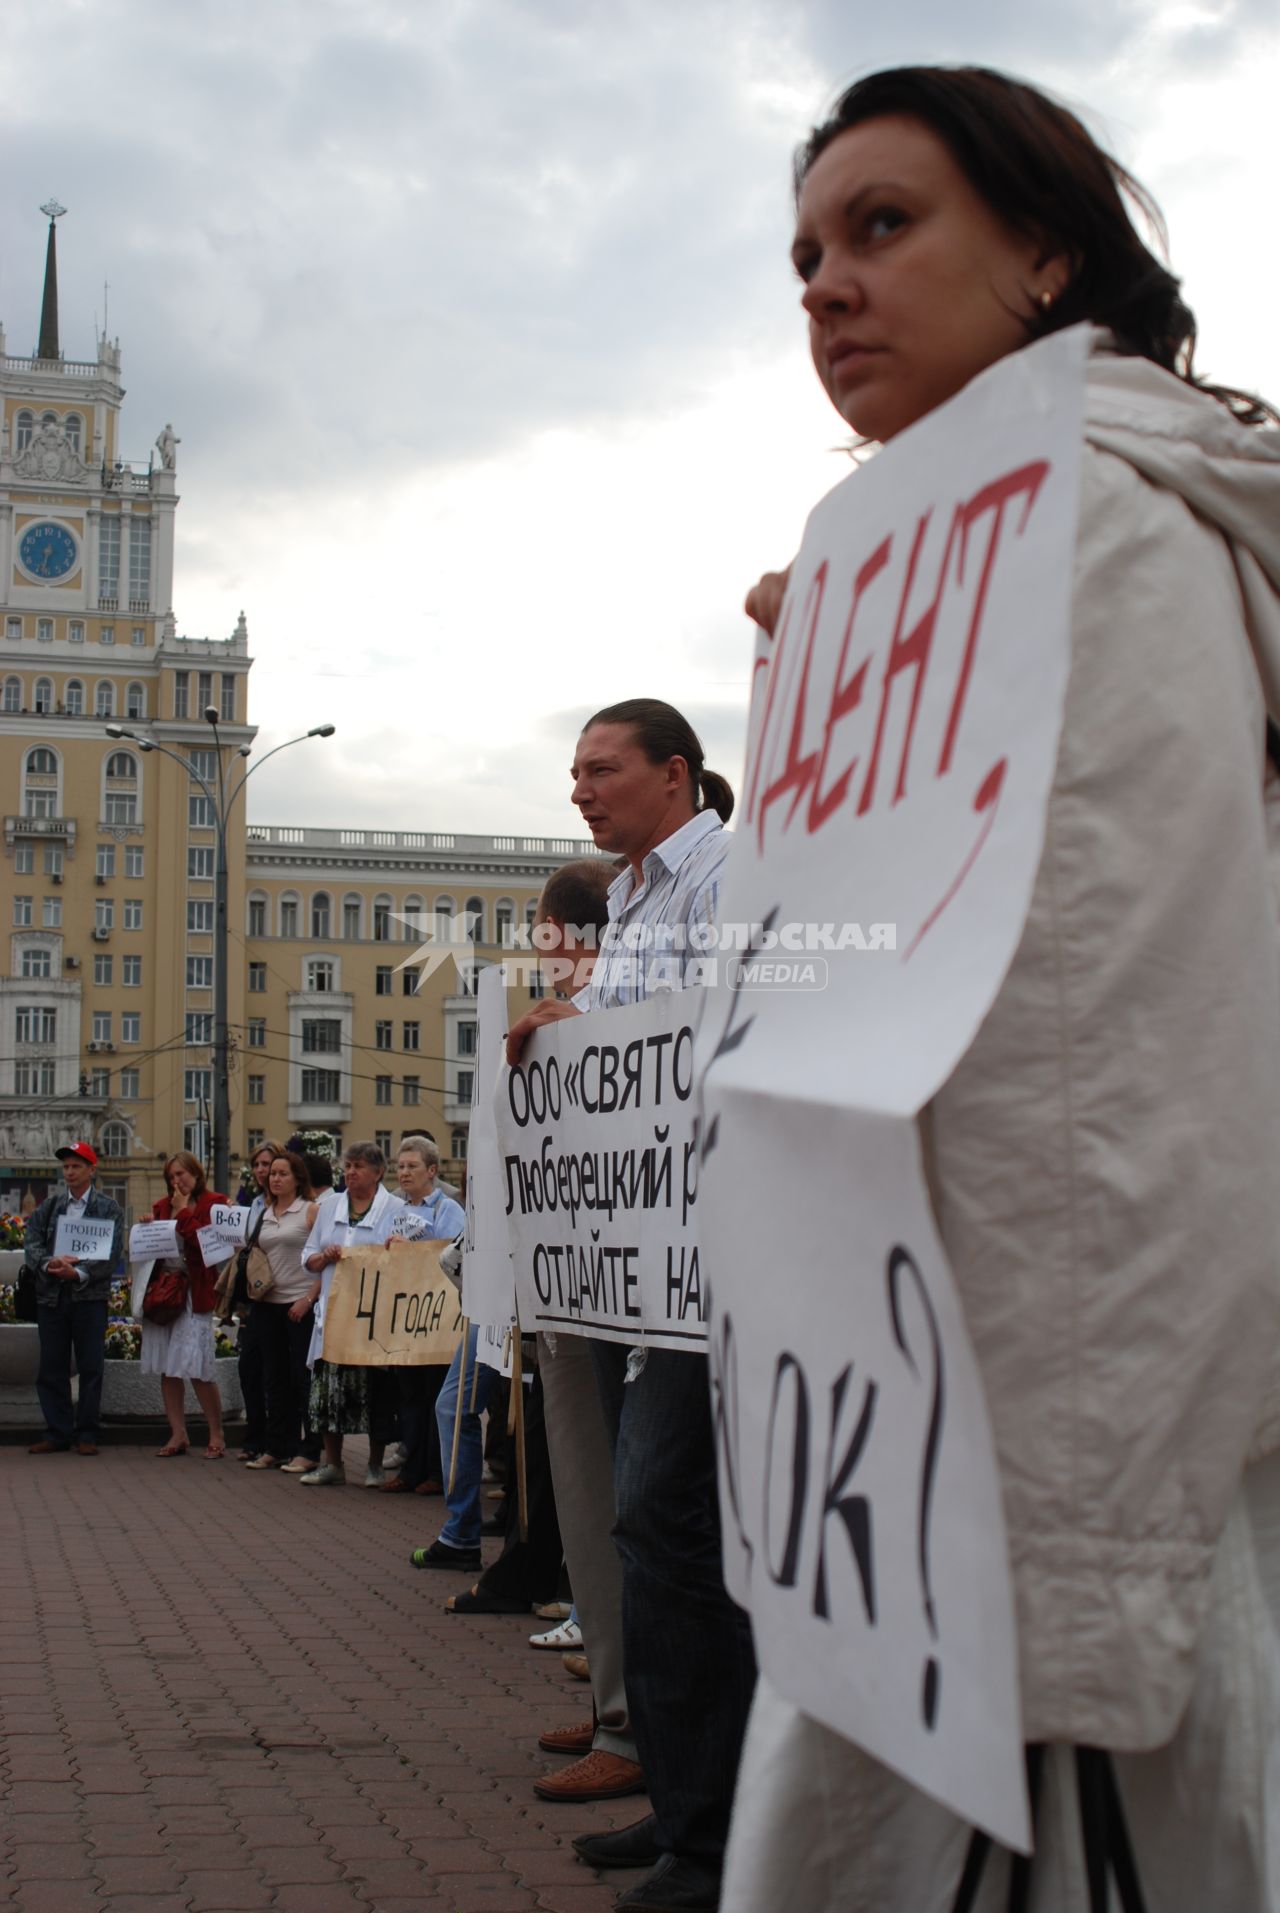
641	784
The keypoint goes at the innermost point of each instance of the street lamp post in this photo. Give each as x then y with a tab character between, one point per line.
221	807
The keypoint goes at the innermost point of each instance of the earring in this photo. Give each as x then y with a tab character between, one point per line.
1045	301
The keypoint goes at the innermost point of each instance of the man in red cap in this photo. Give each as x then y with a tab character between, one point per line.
72	1292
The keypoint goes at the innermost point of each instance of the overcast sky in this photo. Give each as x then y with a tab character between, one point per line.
476	324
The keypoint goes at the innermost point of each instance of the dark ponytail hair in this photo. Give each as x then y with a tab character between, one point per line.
1040	170
661	732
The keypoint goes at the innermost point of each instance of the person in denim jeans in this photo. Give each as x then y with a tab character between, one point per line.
458	1544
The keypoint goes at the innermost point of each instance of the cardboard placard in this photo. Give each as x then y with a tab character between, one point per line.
392	1307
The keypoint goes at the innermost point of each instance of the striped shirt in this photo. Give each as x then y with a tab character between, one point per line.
661	926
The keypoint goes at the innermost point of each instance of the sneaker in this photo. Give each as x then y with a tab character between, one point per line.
395	1457
374	1477
300	1465
324	1476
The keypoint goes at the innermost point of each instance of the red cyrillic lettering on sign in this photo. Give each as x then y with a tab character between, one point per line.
846	696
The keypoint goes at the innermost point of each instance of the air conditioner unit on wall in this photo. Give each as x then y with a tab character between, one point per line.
100	935
71	963
55	876
92	1048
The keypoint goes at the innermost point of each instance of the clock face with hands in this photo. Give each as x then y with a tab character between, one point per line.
47	550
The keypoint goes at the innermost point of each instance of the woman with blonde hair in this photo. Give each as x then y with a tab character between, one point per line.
182	1351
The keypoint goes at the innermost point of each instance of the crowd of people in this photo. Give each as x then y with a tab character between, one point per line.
1102	1161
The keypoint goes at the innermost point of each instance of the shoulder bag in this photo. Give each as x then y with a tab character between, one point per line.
167	1294
253	1270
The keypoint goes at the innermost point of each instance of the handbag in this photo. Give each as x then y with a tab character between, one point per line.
24	1296
166	1295
254	1274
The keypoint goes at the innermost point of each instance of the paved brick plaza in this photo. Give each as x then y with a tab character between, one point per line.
221	1690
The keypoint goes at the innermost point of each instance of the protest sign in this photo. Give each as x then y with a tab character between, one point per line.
600	1175
487	1279
901	759
495	1346
88	1240
150	1239
217	1245
232	1218
392	1308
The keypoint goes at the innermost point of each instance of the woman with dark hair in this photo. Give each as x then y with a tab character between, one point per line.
253	1195
283	1317
182	1351
1102	1161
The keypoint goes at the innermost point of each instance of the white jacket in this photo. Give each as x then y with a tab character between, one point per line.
1105	1161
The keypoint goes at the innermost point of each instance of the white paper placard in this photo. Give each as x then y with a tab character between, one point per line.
217	1244
488	1291
599	1160
88	1240
148	1240
232	1218
892	823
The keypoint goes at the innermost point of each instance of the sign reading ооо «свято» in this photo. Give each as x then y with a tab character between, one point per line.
599	1144
902	752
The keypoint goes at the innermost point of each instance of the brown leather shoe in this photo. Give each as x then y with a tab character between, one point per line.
568	1740
429	1487
86	1447
576	1664
48	1448
600	1776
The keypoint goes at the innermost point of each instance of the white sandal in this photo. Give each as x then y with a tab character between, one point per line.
567	1635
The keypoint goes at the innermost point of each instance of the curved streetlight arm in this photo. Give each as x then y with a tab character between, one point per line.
321	730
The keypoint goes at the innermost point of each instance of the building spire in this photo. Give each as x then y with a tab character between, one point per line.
48	346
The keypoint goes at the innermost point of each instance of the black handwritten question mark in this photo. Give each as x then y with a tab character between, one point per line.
899	1259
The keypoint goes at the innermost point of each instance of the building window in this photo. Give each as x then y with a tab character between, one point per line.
100	1083
181	693
36	1025
131	972
412	914
504	923
204	763
44	630
466	1083
228	697
107	634
256	1139
204	690
13	630
37	963
382	919
257	1089
73	697
102	1026
199	916
320	917
75	631
197	1085
257	1032
257	916
199	1027
40	783
104	699
200	973
133	913
22	907
458	1145
120	802
12	695
467	1038
321	1086
382	1089
412	1032
473	916
135	700
351	918
382	1035
412	1086
103	970
133	860
195	1139
199	864
108	561
289	917
24	860
26	430
53	860
139	564
113	1143
382	1137
131	1027
319	975
382	980
257	978
199	812
138	635
321	1035
130	1085
34	1078
42	697
409	982
104	914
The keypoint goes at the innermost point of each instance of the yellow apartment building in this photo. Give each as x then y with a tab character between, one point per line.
107	879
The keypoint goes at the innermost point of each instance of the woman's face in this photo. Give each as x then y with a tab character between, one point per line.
262	1167
414	1176
912	284
362	1180
181	1182
281	1181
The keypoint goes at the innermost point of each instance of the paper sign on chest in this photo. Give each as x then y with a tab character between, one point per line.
901	756
88	1239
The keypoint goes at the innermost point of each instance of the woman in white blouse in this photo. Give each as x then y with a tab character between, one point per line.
283	1318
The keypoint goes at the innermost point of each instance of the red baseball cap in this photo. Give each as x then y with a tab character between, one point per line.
80	1149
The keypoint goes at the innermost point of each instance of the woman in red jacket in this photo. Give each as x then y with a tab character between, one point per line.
182	1351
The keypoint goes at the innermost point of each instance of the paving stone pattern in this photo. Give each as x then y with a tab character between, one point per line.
220	1690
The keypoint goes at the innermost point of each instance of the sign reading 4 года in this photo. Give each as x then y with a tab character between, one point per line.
901	756
600	1175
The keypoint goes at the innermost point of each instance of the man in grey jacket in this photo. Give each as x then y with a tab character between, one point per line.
72	1297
